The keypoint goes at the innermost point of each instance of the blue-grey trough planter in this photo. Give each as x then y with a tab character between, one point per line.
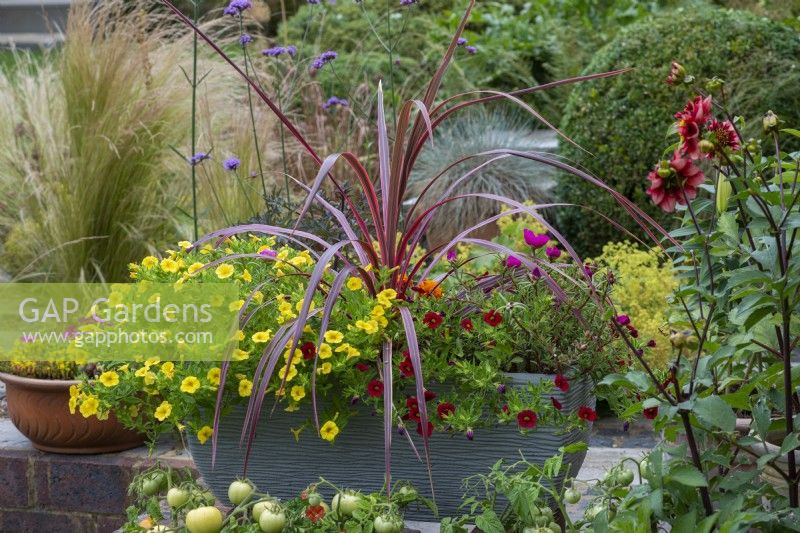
283	467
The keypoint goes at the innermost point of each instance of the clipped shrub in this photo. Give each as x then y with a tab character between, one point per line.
623	120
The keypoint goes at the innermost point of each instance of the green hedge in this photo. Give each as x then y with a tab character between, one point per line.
624	121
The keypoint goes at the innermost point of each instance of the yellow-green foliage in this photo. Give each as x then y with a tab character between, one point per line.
644	281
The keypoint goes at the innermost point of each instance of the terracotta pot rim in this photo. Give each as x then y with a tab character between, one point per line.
38	383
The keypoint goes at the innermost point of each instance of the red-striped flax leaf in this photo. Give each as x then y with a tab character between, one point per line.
277	231
416	361
385	178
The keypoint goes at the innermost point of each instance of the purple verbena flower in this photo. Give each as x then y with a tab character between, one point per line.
501	388
268	253
452	255
198	158
231	164
245	39
407	2
335	100
461	41
470	434
322	59
553	252
471	50
313	2
280	50
237	6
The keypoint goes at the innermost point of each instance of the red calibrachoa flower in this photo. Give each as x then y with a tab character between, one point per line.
527	419
362	367
309	350
430	429
315	513
445	409
466	324
561	382
413	409
650	413
556	403
429	395
375	388
587	413
505	408
493	318
674	183
432	319
406	366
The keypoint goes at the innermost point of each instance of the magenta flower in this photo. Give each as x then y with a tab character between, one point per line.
268	253
623	320
513	262
452	255
673	183
533	240
553	252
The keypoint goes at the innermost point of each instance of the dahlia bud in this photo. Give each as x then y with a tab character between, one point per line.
714	84
706	146
752	146
677	339
677	74
770	122
663	172
724	190
470	434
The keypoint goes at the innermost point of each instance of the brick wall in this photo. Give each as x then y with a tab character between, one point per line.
71	493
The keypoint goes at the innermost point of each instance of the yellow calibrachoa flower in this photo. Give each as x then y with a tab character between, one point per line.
213	376
289	373
109	379
262	336
258	297
238	336
246	276
224	271
170	265
152	361
355	284
386	296
73	403
298	393
193	268
377	311
149	261
240	355
369	327
141	372
334	337
329	430
163	411
245	387
149	378
325	351
190	384
89	406
235	305
168	369
204	434
325	368
74	391
185	245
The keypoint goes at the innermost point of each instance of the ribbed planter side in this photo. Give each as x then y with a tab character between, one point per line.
283	467
40	411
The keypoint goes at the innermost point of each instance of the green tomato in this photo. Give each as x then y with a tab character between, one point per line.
625	477
314	499
272	520
554	528
387	524
541	520
151	486
593	511
407	491
344	503
204	520
644	464
239	491
263	505
572	496
547	512
177	497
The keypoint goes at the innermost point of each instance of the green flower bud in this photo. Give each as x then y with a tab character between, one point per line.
724	190
770	122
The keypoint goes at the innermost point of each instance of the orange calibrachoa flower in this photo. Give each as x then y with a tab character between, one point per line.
429	287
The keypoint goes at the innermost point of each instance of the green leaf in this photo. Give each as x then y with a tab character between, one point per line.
685	523
688	475
791	442
575	447
706	525
489	522
715	412
761	417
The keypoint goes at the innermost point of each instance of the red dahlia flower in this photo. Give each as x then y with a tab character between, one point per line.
445	409
375	388
674	184
467	324
694	115
561	382
527	419
493	318
587	413
432	319
650	413
723	135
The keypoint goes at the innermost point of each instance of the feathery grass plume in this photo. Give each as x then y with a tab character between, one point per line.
475	132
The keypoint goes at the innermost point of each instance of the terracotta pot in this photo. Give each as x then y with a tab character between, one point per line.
39	408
